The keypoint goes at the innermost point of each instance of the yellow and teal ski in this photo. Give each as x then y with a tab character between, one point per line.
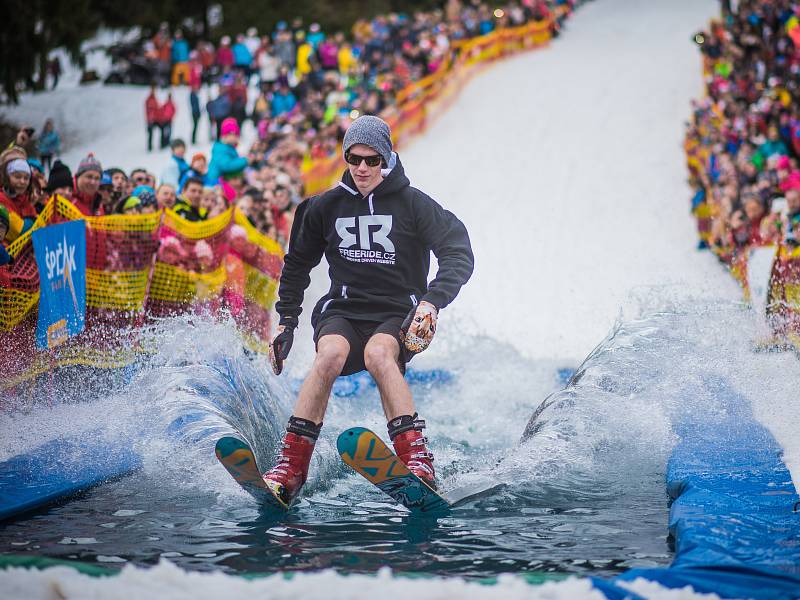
238	458
369	456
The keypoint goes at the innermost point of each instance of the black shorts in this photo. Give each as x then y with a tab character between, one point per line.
357	334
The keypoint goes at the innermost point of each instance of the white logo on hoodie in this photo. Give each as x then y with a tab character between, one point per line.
365	237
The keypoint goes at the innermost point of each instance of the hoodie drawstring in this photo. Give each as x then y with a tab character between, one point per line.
371	208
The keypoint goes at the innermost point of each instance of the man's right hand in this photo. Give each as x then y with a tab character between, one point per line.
280	346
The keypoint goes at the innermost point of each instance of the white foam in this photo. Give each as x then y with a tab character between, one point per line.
169	582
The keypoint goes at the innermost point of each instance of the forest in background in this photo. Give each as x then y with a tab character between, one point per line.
31	29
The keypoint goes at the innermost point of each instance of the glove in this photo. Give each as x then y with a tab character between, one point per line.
280	346
419	327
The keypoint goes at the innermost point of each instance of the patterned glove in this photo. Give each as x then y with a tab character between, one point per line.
419	327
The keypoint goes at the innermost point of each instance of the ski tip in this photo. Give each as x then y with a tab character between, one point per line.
228	445
348	438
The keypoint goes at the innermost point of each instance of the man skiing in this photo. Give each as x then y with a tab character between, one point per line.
377	233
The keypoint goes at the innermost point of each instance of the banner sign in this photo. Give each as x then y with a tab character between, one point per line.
60	252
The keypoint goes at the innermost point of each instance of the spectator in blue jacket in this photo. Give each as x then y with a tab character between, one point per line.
283	100
180	59
177	166
49	144
315	35
224	158
242	59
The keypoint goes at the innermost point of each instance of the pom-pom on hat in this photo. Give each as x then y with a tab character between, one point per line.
90	163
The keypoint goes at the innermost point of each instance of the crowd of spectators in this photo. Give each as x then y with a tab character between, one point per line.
307	86
743	141
264	187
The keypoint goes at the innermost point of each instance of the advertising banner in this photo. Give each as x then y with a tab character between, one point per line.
60	252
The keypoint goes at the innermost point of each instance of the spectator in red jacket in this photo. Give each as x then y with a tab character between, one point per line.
86	196
151	115
15	194
165	116
224	54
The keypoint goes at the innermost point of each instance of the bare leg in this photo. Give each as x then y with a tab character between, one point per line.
312	401
380	357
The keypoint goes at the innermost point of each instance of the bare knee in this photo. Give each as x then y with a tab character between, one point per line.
381	354
332	351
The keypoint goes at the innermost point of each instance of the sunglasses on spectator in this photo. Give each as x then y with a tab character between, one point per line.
141	179
372	160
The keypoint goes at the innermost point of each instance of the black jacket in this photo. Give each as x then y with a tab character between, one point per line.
378	251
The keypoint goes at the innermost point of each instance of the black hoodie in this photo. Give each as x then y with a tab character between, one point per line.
378	250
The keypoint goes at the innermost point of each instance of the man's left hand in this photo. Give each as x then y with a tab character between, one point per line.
419	327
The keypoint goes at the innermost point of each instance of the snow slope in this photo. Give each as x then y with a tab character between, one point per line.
566	165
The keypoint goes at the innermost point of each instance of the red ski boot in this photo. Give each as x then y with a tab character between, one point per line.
409	445
287	477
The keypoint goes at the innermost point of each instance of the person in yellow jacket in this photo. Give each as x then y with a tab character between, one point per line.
11	225
304	52
347	62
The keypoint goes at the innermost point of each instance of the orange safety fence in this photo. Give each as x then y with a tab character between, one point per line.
139	267
420	103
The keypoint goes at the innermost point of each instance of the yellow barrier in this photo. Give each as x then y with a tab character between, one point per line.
139	265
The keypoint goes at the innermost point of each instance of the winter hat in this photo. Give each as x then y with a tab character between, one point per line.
90	163
783	163
60	176
227	191
145	193
792	182
18	165
131	202
114	170
35	164
370	131
229	126
197	156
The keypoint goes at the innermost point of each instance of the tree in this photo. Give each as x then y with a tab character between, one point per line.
31	29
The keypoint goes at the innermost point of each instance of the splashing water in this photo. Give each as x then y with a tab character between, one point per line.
578	487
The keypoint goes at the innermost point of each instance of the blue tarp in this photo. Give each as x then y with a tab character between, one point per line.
59	469
732	517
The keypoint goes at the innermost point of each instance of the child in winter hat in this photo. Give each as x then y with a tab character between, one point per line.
60	177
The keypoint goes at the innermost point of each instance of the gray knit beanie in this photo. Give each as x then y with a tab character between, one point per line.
90	163
370	131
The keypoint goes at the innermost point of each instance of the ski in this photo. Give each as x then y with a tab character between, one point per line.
369	456
238	459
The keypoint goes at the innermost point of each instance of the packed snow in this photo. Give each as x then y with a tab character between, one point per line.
168	581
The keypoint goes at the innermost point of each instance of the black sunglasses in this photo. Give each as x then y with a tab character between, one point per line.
372	161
